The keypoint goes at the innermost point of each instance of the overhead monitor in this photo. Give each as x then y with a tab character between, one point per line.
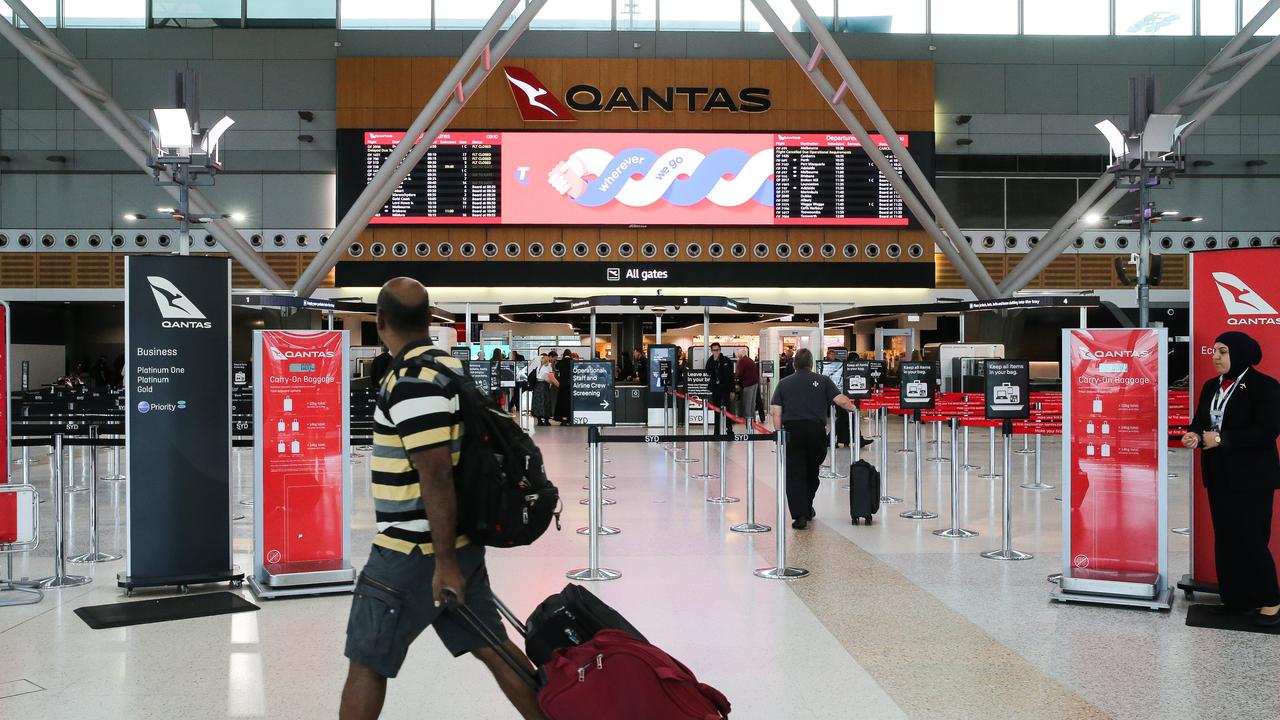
633	178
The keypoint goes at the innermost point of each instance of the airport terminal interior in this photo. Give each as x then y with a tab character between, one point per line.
996	276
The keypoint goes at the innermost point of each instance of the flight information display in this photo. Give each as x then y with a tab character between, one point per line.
637	178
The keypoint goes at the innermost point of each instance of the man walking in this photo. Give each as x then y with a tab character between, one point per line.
419	556
799	406
721	369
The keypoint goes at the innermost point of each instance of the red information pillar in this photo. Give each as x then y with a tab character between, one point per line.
1230	290
1114	432
302	486
8	503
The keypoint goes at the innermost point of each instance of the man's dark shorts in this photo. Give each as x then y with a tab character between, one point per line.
393	605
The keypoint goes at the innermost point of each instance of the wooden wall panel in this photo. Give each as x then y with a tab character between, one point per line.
390	91
18	270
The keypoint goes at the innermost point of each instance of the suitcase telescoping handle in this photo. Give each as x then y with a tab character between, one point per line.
494	642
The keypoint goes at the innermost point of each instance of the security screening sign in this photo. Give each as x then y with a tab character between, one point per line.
481	373
857	379
178	420
697	387
918	382
591	392
1008	389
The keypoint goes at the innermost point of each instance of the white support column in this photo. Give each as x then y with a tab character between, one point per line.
458	86
1103	194
971	271
51	58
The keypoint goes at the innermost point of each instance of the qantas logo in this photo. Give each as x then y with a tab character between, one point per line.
277	354
1239	298
175	307
538	103
535	101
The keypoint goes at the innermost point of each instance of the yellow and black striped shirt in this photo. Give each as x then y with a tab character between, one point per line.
417	409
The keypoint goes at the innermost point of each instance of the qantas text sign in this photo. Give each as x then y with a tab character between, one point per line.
1230	290
702	179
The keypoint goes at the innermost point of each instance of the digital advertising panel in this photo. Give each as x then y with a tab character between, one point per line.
302	487
1233	289
632	178
1114	436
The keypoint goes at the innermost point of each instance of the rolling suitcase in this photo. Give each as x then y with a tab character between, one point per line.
864	491
614	675
568	618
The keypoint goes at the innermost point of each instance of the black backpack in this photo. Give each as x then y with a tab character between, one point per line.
504	497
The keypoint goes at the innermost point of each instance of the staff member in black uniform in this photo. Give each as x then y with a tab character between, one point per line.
721	369
800	406
1235	426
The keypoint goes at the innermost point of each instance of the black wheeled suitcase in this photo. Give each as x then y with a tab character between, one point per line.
864	491
569	618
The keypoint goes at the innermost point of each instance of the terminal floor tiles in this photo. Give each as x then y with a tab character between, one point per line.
893	622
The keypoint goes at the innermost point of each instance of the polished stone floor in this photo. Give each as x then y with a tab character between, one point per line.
892	622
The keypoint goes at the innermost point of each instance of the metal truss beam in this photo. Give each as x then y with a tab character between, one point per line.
944	230
1103	194
47	53
458	86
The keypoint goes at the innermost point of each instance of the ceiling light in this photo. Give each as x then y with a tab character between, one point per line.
1254	163
56	158
134	216
1170	213
237	216
173	127
1192	218
1092	218
166	210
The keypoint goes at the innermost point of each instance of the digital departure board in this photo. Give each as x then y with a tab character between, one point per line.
635	178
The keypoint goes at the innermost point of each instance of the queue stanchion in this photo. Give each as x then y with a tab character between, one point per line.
668	427
991	473
855	436
918	513
906	442
967	465
685	459
885	497
93	556
781	571
59	578
73	477
937	440
750	526
829	471
955	531
706	444
1026	447
1006	551
593	571
1037	484
723	498
115	475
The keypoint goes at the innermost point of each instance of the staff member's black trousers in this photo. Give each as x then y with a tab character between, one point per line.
806	449
1241	533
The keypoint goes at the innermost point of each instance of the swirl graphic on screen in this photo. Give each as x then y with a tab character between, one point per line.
638	177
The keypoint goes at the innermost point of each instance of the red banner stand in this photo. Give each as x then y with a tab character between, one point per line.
1115	485
1230	290
302	481
8	503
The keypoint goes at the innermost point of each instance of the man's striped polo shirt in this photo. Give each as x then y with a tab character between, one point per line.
417	409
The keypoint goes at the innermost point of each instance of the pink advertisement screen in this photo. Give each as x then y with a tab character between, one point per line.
639	178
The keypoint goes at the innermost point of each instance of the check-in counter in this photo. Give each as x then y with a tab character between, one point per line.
631	407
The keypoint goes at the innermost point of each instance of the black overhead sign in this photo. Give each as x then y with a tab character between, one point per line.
591	392
918	383
698	384
1008	389
857	379
501	273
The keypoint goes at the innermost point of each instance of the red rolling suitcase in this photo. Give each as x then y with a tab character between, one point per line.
612	676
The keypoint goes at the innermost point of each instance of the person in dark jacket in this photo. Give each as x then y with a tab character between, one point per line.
722	381
1235	426
563	369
